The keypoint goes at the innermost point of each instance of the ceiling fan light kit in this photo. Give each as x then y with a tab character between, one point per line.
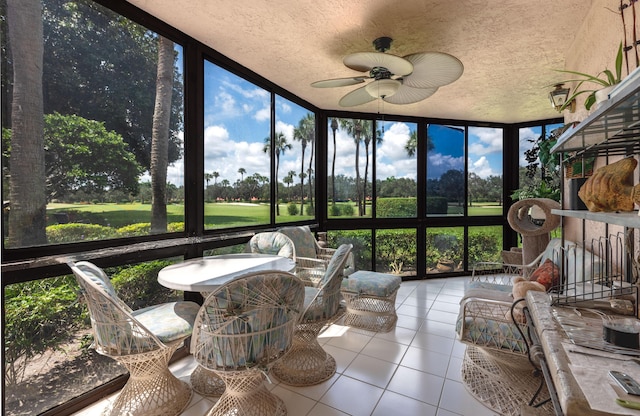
395	79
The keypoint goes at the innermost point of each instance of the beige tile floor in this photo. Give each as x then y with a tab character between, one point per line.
414	370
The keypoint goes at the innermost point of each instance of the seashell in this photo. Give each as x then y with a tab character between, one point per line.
611	188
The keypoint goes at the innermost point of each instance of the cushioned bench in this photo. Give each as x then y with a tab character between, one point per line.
370	299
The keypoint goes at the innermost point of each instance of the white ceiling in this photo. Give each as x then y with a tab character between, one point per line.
508	48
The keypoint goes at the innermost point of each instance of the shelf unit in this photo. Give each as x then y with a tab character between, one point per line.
613	129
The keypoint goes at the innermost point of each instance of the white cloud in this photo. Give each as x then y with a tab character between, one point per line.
482	168
488	141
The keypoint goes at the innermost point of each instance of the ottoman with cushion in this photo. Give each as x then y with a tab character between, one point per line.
370	299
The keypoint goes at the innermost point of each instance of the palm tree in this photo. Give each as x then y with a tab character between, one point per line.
288	180
242	171
367	134
303	133
412	144
354	129
215	175
207	178
334	127
281	145
290	175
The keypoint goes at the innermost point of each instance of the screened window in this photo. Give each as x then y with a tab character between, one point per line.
80	158
349	164
295	159
396	169
445	170
237	127
485	171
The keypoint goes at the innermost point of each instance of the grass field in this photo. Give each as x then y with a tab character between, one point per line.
217	215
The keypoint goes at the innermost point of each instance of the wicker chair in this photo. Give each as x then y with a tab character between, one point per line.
311	258
308	363
143	341
243	327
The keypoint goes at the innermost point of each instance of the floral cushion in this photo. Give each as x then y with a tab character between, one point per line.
371	283
169	321
490	333
272	243
303	240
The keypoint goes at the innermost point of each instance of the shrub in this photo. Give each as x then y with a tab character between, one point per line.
68	233
396	250
334	211
40	315
347	210
361	240
138	285
396	207
131	230
292	208
437	205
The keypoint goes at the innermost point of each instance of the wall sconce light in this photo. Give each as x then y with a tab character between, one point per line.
558	97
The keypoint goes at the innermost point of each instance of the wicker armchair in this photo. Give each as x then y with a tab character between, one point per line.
311	258
308	363
242	328
143	341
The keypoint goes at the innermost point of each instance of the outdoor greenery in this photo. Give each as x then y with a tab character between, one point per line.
44	314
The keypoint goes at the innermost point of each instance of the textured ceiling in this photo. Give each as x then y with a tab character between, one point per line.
508	48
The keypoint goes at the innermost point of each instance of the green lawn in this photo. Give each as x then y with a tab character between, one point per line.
217	215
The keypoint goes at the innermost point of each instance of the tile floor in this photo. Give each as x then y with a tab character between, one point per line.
414	370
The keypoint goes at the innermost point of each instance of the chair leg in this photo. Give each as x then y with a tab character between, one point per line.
152	390
307	363
206	382
247	395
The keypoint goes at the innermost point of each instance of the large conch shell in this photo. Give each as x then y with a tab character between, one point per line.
611	188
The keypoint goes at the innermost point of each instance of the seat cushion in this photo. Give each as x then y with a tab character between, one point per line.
169	321
366	282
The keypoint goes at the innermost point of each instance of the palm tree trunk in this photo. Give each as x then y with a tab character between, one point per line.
27	193
302	184
160	136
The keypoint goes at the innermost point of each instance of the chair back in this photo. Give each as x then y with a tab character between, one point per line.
272	242
303	240
326	299
248	321
115	330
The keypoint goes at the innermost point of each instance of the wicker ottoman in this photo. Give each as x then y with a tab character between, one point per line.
370	298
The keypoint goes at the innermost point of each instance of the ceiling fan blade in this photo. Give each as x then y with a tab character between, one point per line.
338	82
366	61
433	69
410	95
356	97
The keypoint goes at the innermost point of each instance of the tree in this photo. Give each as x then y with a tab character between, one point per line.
242	171
412	144
27	218
110	64
215	176
334	127
160	136
281	145
367	135
302	133
83	156
354	129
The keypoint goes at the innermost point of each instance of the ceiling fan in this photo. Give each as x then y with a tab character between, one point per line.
395	79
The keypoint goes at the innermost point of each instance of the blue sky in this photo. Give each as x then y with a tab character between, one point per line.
237	120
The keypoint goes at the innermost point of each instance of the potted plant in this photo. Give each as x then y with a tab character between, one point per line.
610	79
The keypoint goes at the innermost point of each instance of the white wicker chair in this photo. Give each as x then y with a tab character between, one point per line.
242	328
308	363
311	258
143	341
